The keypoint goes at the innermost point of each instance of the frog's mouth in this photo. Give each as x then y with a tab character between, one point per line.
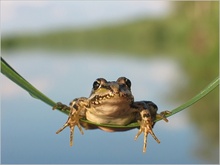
111	97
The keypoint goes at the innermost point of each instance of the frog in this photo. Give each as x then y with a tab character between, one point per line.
111	103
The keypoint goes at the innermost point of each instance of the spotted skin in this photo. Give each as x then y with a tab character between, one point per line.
112	103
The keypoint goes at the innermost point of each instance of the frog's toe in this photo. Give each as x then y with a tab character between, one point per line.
61	106
146	127
61	129
162	116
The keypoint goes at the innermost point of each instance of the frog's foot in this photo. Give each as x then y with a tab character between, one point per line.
146	124
73	119
162	116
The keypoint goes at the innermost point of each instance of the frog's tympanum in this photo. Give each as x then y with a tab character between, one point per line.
111	103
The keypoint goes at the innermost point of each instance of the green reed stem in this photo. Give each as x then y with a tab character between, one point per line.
196	98
9	72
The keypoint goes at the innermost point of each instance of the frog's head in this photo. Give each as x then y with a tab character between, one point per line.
117	91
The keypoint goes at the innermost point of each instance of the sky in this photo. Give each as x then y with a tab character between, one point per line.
21	16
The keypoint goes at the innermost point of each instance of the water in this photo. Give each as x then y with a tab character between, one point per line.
29	125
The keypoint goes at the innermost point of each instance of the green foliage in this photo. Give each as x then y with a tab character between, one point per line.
186	31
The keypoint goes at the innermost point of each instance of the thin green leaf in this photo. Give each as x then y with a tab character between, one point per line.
196	98
8	71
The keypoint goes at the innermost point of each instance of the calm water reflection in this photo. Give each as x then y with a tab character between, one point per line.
29	126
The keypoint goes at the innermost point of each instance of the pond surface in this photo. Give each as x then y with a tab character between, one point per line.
29	125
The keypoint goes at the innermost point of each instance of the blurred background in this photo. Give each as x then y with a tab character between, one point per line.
169	50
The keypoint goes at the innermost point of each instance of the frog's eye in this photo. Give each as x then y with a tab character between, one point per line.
128	82
124	81
147	115
96	84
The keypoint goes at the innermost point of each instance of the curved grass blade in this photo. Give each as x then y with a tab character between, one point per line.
196	98
9	72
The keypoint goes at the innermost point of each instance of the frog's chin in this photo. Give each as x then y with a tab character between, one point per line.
112	108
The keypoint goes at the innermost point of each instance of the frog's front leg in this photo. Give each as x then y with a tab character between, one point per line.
77	110
147	115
